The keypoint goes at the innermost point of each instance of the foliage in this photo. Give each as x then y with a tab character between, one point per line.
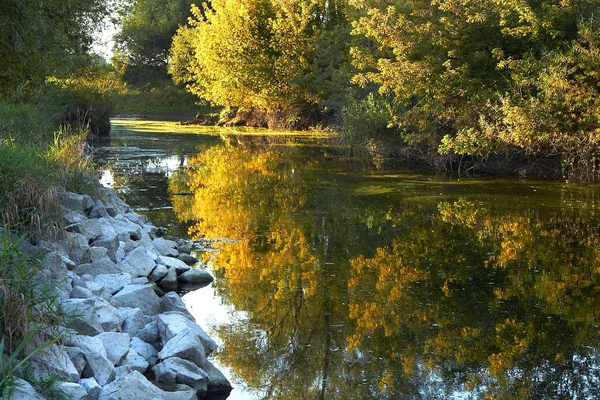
43	38
148	27
262	54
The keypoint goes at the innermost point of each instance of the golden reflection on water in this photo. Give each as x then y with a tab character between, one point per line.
354	294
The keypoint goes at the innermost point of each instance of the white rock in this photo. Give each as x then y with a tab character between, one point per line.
82	315
126	229
111	243
158	273
131	386
72	391
77	358
196	276
76	245
172	302
135	361
178	370
108	316
102	266
146	350
22	390
139	296
98	365
173	324
92	387
94	228
52	362
169	281
171	262
97	253
139	262
113	282
185	345
165	247
134	320
116	345
217	382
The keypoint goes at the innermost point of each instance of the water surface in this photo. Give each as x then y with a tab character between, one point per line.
338	281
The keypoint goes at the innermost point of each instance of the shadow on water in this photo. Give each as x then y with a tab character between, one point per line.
347	283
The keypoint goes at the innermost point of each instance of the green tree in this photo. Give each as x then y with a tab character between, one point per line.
148	27
41	38
265	55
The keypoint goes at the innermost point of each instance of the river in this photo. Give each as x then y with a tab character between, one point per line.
340	281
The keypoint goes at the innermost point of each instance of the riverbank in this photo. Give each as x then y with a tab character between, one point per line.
126	333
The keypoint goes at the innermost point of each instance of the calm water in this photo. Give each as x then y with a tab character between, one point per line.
340	282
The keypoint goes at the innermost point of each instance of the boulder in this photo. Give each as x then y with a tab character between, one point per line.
139	262
71	390
165	247
136	218
187	259
139	296
108	316
149	333
158	273
82	315
185	345
169	281
173	324
113	282
178	370
53	363
76	245
98	365
81	292
135	361
175	263
97	253
134	320
197	277
102	266
77	358
93	228
172	302
126	229
111	243
22	390
92	387
217	382
131	386
146	350
116	345
82	203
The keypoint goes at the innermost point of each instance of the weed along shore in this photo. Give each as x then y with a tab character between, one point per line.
126	334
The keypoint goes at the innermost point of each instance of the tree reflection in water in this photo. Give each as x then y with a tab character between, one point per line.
353	296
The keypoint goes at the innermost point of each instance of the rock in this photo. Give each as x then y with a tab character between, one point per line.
178	370
195	278
71	390
99	210
185	345
111	243
53	363
139	296
77	358
71	217
93	228
169	281
98	365
136	218
82	315
108	316
92	387
177	391
217	382
175	263
102	266
135	361
122	370
149	333
126	229
145	350
131	386
76	246
142	280
116	345
187	259
113	282
158	273
173	324
172	302
139	262
79	202
81	292
22	390
97	253
183	246
165	247
134	320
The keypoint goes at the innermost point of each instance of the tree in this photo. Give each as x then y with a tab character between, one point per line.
148	27
275	57
41	38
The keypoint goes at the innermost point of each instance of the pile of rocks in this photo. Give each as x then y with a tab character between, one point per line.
128	336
